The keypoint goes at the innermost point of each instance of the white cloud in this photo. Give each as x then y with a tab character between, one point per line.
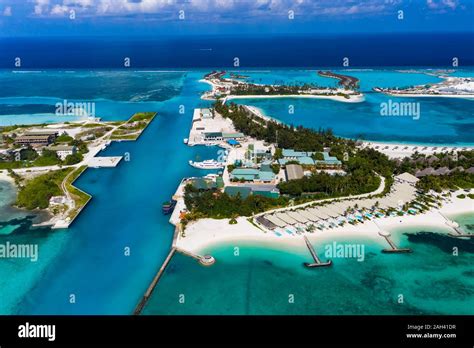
7	12
442	4
211	9
40	6
59	10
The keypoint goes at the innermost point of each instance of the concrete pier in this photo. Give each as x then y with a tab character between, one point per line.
149	291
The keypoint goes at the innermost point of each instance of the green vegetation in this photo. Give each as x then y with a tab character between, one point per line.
37	192
452	181
28	154
299	138
142	116
64	138
328	186
217	205
73	159
80	145
80	197
132	129
318	156
47	158
461	196
451	160
275	168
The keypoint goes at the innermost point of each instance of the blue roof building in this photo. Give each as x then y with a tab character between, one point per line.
233	142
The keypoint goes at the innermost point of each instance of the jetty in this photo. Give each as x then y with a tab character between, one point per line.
149	291
458	232
317	262
393	247
205	260
344	80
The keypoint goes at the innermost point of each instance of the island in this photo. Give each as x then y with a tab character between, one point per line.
226	89
285	185
45	160
452	87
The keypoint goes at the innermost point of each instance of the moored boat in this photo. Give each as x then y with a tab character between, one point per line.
168	207
207	164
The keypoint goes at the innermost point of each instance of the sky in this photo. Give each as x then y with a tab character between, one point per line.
156	18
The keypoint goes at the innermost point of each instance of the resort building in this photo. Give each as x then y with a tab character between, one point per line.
307	158
37	138
251	174
63	151
206	183
294	172
258	153
406	178
219	136
235	191
269	191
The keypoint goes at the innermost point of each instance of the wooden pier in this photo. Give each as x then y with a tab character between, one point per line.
460	233
317	261
393	247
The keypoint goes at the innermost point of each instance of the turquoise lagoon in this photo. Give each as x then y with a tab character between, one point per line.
260	280
88	259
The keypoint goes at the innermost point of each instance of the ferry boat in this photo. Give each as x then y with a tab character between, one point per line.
168	207
207	164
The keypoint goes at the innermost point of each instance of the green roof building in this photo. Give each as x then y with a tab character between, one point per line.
250	174
234	191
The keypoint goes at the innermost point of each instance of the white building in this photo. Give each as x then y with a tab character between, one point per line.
63	151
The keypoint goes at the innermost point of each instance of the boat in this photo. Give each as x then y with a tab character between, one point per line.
185	140
168	207
207	164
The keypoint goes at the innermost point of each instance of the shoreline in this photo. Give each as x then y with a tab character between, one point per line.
421	95
206	234
353	99
4	176
261	113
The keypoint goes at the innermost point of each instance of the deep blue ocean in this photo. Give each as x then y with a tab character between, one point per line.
88	259
374	50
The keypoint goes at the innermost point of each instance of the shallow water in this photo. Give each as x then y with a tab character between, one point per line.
88	259
430	280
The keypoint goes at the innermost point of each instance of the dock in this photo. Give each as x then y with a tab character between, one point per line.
205	260
149	291
458	233
393	247
317	261
104	162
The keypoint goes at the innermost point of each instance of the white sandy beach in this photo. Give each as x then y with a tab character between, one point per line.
399	150
207	233
392	150
353	98
4	176
410	95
